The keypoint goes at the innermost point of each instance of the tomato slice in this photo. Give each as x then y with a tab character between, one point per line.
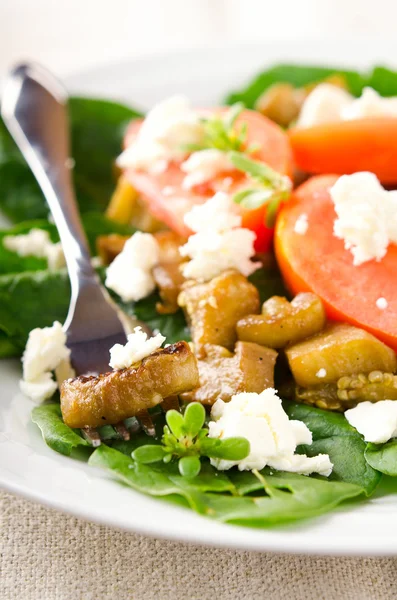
347	147
318	262
169	202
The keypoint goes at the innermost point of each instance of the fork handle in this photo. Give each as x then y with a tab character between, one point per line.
34	108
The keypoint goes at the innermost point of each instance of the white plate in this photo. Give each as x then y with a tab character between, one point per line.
30	468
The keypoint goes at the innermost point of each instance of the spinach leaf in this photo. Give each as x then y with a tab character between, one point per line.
383	457
333	435
384	81
97	128
56	434
298	76
269	282
32	299
281	498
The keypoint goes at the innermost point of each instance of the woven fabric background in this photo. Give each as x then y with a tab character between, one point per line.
45	555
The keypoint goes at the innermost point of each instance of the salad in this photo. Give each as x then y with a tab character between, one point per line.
258	242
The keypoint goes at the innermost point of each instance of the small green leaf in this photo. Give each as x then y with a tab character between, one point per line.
57	435
194	418
175	422
383	457
234	448
253	198
148	454
232	115
189	466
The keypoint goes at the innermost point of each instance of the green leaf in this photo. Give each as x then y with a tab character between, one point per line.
95	224
56	434
173	327
296	75
234	448
97	128
194	418
189	466
269	282
384	81
175	422
148	454
333	435
280	498
383	457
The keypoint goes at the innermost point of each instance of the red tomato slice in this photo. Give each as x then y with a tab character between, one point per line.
169	202
348	147
318	262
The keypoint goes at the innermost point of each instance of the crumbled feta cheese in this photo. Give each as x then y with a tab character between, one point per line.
377	422
301	224
273	438
45	351
36	242
382	303
323	105
212	252
203	166
321	373
42	388
219	243
370	104
328	103
138	347
129	275
170	126
219	213
366	216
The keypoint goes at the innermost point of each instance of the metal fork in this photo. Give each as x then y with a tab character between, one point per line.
34	108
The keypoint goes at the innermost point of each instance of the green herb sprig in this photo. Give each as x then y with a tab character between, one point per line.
272	188
186	440
221	132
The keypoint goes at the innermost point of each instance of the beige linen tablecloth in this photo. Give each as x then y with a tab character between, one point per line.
45	555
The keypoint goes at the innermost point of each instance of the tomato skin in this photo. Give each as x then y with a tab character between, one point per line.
318	262
348	147
171	208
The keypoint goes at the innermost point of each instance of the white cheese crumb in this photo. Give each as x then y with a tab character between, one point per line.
129	275
203	166
366	216
301	224
36	242
370	104
377	422
219	213
219	243
321	373
328	103
382	303
273	438
170	126
323	105
45	351
138	347
213	252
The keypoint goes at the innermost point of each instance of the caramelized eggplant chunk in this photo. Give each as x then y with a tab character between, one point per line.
88	401
223	374
169	243
109	246
282	322
340	350
169	280
212	309
348	391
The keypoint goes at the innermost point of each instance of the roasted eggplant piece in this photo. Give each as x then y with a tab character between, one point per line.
282	322
223	374
338	351
109	246
213	309
169	280
91	401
